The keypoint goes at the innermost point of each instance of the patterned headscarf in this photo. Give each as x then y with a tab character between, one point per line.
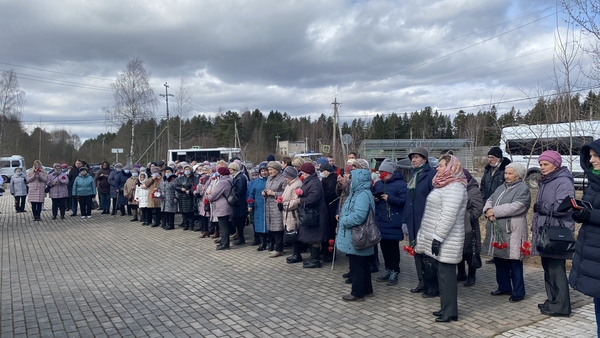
452	173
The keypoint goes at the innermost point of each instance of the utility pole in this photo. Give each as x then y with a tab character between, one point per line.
277	148
166	96
306	145
335	122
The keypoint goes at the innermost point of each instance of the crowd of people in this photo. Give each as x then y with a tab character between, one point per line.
312	207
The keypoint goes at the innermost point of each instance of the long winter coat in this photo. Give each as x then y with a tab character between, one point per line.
510	203
290	205
218	197
342	190
84	186
472	214
553	189
102	181
141	193
185	199
355	211
444	220
167	195
331	198
258	206
18	185
59	185
114	181
152	185
585	270
203	184
415	205
273	215
37	186
73	173
313	196
391	212
130	187
240	182
493	177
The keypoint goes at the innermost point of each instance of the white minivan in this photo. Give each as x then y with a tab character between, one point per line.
9	164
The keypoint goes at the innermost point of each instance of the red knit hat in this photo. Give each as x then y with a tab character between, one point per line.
223	171
308	168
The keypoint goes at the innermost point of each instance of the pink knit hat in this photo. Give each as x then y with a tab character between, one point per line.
551	156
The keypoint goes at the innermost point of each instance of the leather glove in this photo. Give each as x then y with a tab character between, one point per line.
405	229
435	247
581	216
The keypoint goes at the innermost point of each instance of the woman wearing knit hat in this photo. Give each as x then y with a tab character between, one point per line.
240	210
184	187
220	208
59	192
256	206
129	190
555	186
141	197
168	199
289	203
116	189
273	190
101	180
506	211
329	181
152	184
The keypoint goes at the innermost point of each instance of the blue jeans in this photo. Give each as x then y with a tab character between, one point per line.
509	275
74	205
105	201
597	307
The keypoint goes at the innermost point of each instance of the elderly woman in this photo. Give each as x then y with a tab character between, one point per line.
555	185
354	213
141	197
129	189
506	210
220	208
101	179
329	180
313	196
184	186
256	205
116	189
273	190
168	199
442	232
152	184
203	205
84	190
36	179
289	202
240	210
18	188
59	191
585	271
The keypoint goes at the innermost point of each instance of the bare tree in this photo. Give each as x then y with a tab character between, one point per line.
183	103
11	100
586	15
134	98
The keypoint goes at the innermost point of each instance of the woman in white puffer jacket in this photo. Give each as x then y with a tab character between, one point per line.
442	233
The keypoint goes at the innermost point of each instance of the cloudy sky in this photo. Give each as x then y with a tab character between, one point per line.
293	56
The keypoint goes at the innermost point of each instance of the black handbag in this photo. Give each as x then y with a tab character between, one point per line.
233	198
366	235
474	258
554	239
290	237
47	190
308	217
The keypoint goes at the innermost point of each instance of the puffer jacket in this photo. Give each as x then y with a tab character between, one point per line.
167	195
185	199
354	212
585	270
391	212
141	192
444	220
273	215
59	185
18	185
510	203
37	186
218	197
415	205
84	186
130	187
553	189
290	205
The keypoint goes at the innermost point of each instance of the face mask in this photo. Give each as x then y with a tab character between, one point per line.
127	171
18	173
119	169
187	172
322	175
168	175
135	174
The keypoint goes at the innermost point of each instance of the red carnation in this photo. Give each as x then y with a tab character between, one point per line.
301	178
330	249
250	200
206	201
331	241
527	245
383	175
279	199
298	192
338	171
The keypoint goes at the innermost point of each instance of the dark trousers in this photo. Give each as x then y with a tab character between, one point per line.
430	285
74	202
204	223
58	204
85	204
276	241
509	276
597	308
168	219
461	266
20	203
361	275
157	215
144	214
224	230
391	254
188	219
557	285
105	201
446	275
36	208
239	223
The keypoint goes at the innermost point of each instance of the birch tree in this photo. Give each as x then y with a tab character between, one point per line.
11	102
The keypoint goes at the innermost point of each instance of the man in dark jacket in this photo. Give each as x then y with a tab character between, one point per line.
329	181
240	210
72	176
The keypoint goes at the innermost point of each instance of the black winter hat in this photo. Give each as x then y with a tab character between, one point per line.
495	151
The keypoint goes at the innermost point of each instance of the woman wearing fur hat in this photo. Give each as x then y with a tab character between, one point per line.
168	199
152	184
506	211
36	179
141	197
220	208
273	190
555	186
129	189
18	188
184	186
289	203
59	191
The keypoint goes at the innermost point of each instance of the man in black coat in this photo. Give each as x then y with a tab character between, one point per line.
72	176
240	210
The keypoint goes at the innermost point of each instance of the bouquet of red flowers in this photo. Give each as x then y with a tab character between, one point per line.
525	249
410	249
499	243
383	175
279	199
331	245
298	192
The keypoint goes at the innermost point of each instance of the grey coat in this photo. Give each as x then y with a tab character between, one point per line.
472	214
18	185
274	217
510	203
218	197
167	195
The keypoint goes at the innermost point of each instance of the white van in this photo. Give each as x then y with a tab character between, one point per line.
9	164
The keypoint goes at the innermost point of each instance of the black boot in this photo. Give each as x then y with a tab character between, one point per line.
314	258
135	219
186	225
296	257
263	242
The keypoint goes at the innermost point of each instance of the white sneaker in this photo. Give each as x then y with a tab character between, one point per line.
89	216
82	216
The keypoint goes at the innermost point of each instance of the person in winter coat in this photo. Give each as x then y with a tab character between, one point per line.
129	191
184	186
273	190
585	270
419	186
153	184
342	189
493	177
506	211
313	196
116	189
472	232
354	213
36	180
18	188
390	197
103	186
256	205
73	173
84	190
289	203
141	197
442	233
555	185
220	208
58	183
240	210
203	204
329	181
168	199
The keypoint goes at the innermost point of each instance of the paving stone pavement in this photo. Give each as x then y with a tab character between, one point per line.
108	277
